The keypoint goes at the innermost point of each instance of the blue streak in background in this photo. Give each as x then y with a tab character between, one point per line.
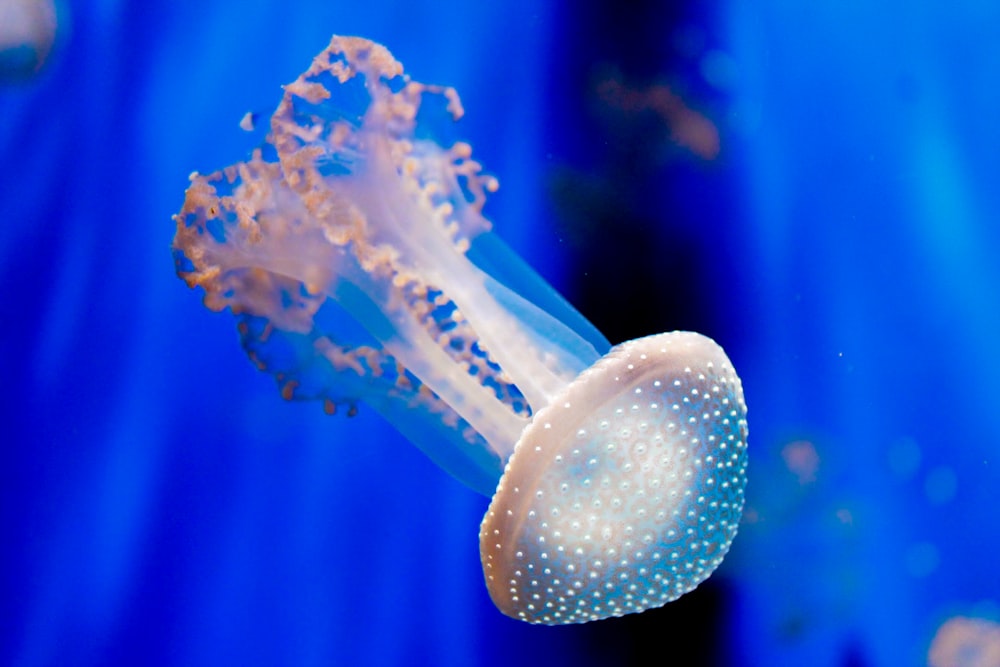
871	157
159	504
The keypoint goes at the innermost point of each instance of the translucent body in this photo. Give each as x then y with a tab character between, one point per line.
626	491
357	213
353	251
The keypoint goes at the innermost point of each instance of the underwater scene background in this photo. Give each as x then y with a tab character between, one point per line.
814	187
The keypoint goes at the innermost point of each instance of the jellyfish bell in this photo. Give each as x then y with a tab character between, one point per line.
353	251
624	492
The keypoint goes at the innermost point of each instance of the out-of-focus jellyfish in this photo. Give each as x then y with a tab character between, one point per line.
688	128
962	641
353	251
27	32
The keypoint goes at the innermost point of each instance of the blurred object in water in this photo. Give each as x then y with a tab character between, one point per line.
687	128
962	641
27	33
802	460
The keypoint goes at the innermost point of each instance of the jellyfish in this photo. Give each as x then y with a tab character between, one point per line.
352	249
964	641
27	33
